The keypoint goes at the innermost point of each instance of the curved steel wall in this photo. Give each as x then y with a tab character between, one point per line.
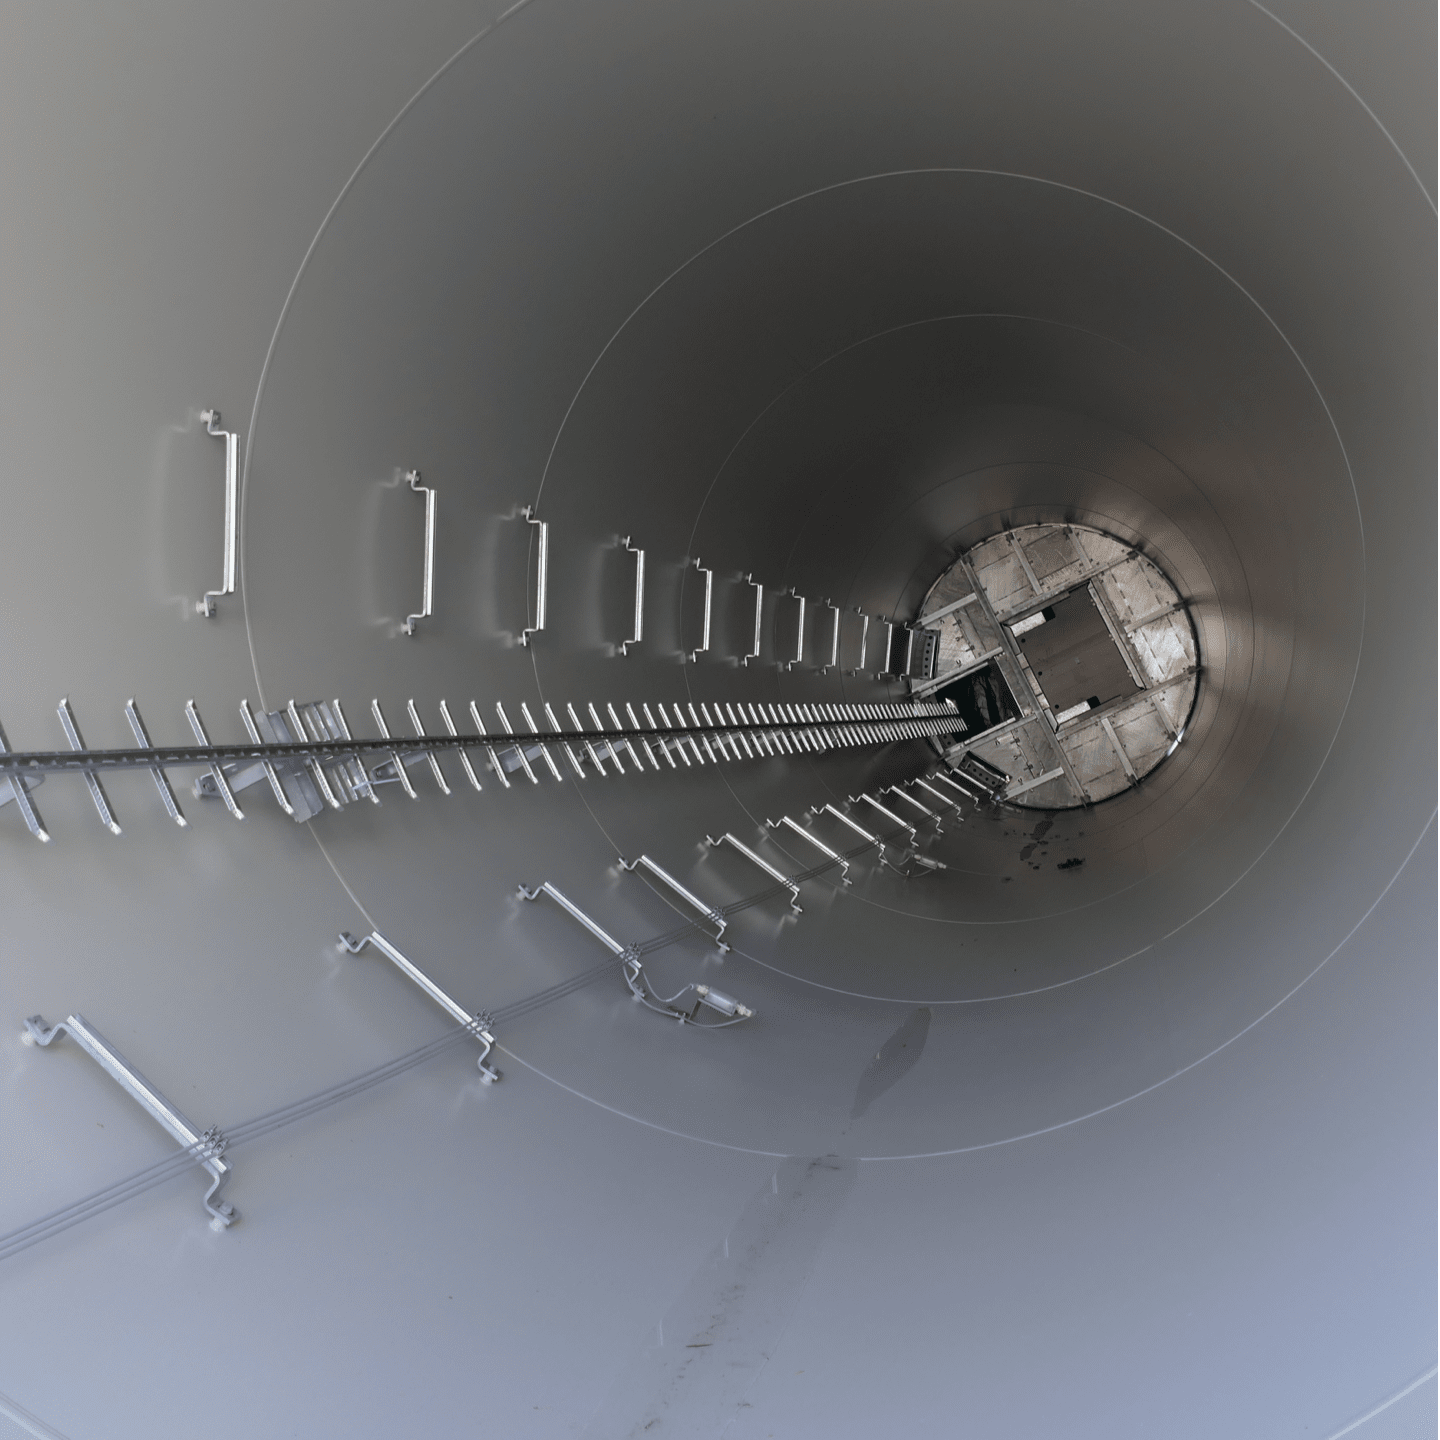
819	293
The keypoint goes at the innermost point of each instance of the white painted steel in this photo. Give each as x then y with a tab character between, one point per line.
1142	1146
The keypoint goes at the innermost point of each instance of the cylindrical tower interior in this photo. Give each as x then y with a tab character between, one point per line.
1116	1120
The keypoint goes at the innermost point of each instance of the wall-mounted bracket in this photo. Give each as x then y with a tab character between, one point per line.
480	1024
888	814
303	785
911	800
799	632
14	786
667	742
427	593
267	767
292	780
534	892
637	631
317	771
820	845
947	801
634	971
519	749
608	744
208	1146
542	580
217	775
206	605
864	637
884	672
759	608
977	794
662	742
665	877
469	769
92	780
739	734
617	724
712	723
765	865
679	724
565	745
590	749
972	770
704	646
834	659
495	764
540	744
354	769
844	819
644	742
751	716
395	762
430	755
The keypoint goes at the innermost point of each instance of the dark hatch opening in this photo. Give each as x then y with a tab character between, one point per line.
983	699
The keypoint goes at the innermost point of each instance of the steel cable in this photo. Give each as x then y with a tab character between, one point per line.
246	1131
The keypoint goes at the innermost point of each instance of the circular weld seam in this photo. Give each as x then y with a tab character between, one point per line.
444	69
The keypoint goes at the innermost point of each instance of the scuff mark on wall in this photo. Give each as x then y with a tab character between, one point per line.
894	1059
719	1334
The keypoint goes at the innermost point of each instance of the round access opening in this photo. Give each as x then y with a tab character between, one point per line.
1072	659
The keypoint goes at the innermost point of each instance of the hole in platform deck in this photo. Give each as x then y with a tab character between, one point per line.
1071	657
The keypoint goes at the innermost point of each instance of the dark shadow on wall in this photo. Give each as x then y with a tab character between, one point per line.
692	1375
893	1060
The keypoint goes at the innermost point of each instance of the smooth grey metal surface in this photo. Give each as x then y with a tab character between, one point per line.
825	295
